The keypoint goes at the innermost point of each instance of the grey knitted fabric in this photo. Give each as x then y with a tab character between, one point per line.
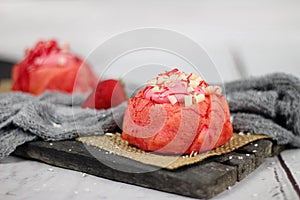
267	105
51	117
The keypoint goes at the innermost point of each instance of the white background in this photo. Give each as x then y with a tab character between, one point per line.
242	38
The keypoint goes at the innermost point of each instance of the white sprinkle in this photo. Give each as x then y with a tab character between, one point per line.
229	187
65	48
152	82
56	125
193	76
256	145
240	157
190	89
155	89
160	79
231	119
62	60
241	133
50	143
84	175
109	134
199	98
172	99
173	77
38	61
188	100
181	77
249	134
254	151
210	89
230	157
194	83
106	152
50	169
69	149
191	154
218	90
247	154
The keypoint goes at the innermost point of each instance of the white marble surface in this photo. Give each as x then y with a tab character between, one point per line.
25	179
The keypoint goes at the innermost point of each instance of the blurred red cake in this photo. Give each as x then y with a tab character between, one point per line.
50	67
177	113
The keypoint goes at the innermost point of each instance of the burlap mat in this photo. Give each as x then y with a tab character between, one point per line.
5	85
113	143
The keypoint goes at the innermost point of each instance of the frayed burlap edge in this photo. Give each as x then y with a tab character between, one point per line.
113	143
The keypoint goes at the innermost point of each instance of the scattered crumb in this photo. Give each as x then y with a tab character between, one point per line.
50	169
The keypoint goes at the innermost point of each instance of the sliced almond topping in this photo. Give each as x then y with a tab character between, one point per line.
172	99
188	100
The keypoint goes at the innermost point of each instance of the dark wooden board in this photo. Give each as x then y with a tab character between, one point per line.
203	180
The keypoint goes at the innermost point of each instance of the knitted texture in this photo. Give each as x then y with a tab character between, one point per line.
51	117
267	105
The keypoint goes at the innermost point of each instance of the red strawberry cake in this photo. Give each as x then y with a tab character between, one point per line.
177	113
47	66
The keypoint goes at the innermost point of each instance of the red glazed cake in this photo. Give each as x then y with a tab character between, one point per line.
177	113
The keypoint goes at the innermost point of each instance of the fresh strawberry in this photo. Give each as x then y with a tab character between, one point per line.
50	67
108	93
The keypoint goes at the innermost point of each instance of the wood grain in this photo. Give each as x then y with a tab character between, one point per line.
201	180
